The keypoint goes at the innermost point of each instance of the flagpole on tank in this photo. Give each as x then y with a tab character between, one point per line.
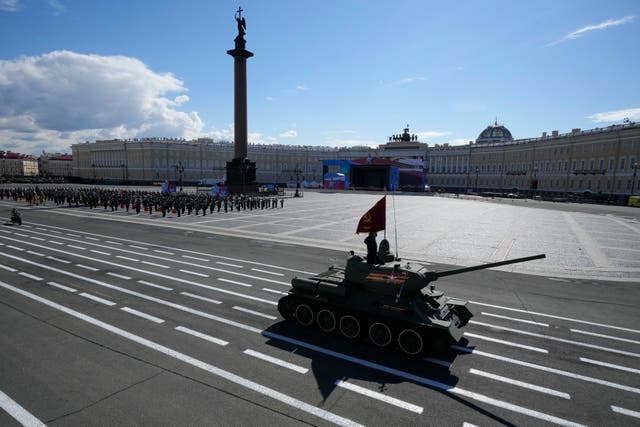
395	223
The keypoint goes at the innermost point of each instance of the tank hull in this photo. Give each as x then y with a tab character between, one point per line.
376	310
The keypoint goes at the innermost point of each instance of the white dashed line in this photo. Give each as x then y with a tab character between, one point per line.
228	264
56	242
63	287
163	252
16	248
119	276
273	291
143	315
520	384
77	247
234	282
610	365
255	313
138	247
64	261
91	238
267	272
194	273
112	243
530	322
509	343
38	238
127	258
97	299
21	235
86	267
197	259
72	235
609	337
99	252
276	361
212	301
35	253
6	267
202	336
20	414
30	276
623	411
379	396
153	285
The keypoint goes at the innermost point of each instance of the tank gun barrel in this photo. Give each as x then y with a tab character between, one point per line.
491	265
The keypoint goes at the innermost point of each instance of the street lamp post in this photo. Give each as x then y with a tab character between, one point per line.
633	180
179	169
297	172
123	179
93	165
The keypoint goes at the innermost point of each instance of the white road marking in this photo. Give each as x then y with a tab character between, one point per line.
509	343
30	276
194	273
276	361
196	258
38	238
54	231
547	369
99	252
20	414
6	267
256	313
35	253
258	388
77	247
138	247
21	235
623	411
86	267
273	291
63	287
234	282
55	242
518	310
212	301
381	397
43	229
64	261
558	279
466	424
113	243
163	252
228	264
202	336
609	337
610	365
16	248
72	235
547	337
590	247
520	384
153	285
119	276
531	322
91	238
97	299
127	258
155	264
267	272
426	381
143	315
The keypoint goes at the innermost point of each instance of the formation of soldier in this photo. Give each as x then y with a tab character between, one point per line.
148	202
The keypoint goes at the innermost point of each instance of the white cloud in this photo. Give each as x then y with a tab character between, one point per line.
431	134
601	26
289	134
347	142
9	5
60	98
302	88
56	6
632	114
409	80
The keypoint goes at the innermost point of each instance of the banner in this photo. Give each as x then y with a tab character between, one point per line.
375	218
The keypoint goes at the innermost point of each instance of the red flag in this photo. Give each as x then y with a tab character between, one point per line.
375	218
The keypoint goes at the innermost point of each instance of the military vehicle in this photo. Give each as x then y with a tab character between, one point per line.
389	304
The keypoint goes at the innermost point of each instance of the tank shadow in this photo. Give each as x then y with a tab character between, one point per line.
335	359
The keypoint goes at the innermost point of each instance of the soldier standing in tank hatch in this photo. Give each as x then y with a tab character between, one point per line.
372	247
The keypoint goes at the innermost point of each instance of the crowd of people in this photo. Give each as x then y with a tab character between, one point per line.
145	202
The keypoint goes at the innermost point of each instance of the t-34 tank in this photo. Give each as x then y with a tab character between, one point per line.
389	304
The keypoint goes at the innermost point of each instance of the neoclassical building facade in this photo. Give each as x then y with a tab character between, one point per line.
600	160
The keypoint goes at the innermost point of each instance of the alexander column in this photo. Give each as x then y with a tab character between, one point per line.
241	173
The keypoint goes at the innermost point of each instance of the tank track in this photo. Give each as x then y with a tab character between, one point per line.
414	340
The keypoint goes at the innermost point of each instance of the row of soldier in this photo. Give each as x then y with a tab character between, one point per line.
179	203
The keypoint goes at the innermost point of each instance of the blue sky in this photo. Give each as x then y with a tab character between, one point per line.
336	73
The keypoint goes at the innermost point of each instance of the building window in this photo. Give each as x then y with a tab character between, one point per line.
622	164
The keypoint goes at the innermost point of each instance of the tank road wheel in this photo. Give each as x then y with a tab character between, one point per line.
304	314
380	334
286	307
326	320
411	342
349	326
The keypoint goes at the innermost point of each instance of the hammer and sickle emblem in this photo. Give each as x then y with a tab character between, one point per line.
366	217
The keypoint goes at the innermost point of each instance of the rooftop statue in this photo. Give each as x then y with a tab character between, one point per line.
242	24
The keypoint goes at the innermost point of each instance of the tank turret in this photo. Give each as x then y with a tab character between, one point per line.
389	304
